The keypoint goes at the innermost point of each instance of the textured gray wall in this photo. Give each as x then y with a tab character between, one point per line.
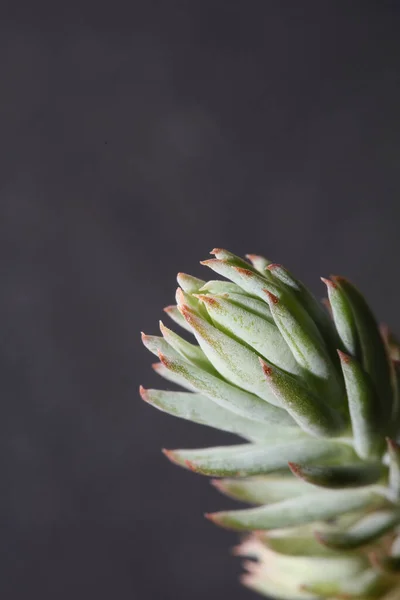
134	138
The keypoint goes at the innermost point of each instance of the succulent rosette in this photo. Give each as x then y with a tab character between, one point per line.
312	390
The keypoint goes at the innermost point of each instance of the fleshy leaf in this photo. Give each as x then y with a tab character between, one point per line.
309	302
235	362
366	531
297	511
191	352
265	489
259	262
189	284
343	317
170	376
250	281
262	335
258	459
310	412
364	406
339	476
174	314
375	360
200	409
226	395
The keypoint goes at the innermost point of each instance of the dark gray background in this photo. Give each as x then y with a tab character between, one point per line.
135	136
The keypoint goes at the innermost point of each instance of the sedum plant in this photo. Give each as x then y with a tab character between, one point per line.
313	393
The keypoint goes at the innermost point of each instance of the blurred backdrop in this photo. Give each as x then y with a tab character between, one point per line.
135	137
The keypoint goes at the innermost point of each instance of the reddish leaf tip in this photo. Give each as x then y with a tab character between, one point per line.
271	297
169	454
211	517
319	536
244	272
344	358
328	282
156	366
179	296
191	465
207	299
217	483
143	393
216	251
295	468
169	309
273	266
266	368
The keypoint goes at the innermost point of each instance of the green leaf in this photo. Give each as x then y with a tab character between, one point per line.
343	318
189	284
375	360
218	287
366	531
191	352
297	511
261	334
249	303
306	348
170	376
174	314
258	459
235	362
364	406
339	476
265	489
200	409
311	305
310	412
226	395
233	259
259	262
253	283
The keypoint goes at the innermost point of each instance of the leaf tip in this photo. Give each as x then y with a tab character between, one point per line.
272	299
344	358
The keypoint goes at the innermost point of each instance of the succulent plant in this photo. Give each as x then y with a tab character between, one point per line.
314	393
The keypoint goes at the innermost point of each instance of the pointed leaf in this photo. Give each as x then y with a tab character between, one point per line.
297	511
250	304
306	348
235	362
200	409
253	283
364	406
191	352
339	476
367	530
312	306
257	459
174	314
226	395
311	413
170	376
255	331
343	317
374	356
265	489
259	262
218	287
189	284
